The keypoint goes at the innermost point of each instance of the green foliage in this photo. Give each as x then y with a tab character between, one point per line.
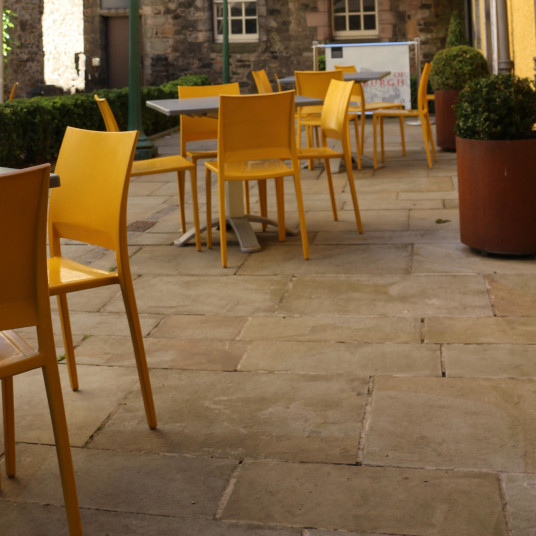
7	24
187	80
456	32
414	91
31	130
322	63
454	67
497	107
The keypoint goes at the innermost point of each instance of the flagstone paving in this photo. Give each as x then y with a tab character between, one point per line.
385	387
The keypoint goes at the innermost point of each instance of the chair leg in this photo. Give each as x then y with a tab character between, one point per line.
9	426
280	199
246	197
329	176
131	309
402	135
180	184
263	201
208	197
301	213
375	141
351	182
355	119
195	208
223	222
431	137
63	449
63	310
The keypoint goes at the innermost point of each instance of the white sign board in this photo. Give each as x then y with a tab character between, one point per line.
393	57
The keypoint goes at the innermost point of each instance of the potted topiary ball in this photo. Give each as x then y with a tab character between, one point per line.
452	68
496	154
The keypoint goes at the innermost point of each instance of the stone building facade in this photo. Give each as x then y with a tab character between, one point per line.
178	37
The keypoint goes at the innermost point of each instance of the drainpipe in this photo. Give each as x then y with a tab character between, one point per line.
145	147
505	64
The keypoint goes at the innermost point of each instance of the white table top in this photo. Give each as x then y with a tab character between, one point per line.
361	76
205	105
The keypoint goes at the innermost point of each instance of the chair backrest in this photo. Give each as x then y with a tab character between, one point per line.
315	83
278	84
262	82
91	203
202	128
23	271
346	68
12	92
256	127
422	101
334	120
107	114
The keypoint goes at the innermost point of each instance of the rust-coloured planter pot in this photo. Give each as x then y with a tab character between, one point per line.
445	117
497	189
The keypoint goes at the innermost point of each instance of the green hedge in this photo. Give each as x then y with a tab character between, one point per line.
31	130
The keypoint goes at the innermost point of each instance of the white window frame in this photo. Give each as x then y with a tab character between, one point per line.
234	37
355	33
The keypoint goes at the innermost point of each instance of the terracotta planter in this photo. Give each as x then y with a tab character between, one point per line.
445	118
497	189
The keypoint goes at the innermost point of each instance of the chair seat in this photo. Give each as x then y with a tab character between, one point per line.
66	275
16	355
202	154
397	113
161	164
318	152
252	169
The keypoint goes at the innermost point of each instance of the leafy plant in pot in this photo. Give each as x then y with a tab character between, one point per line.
496	154
452	68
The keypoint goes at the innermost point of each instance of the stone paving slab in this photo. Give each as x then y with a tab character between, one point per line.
312	418
490	330
490	360
200	327
458	258
368	499
192	354
395	295
342	358
521	495
513	294
220	295
125	482
447	424
442	233
46	520
101	391
333	328
276	260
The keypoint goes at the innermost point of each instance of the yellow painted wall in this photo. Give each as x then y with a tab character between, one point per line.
522	36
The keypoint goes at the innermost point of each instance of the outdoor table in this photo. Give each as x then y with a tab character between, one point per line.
54	178
360	77
236	216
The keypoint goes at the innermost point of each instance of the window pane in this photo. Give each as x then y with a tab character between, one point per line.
251	9
354	6
251	26
369	5
355	22
236	26
339	6
370	22
219	11
236	9
219	27
339	23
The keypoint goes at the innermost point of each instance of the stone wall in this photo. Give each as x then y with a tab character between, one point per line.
25	62
178	39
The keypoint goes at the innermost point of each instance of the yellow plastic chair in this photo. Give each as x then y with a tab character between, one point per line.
262	81
421	112
277	82
90	206
255	136
334	125
161	164
24	302
312	84
12	92
361	107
